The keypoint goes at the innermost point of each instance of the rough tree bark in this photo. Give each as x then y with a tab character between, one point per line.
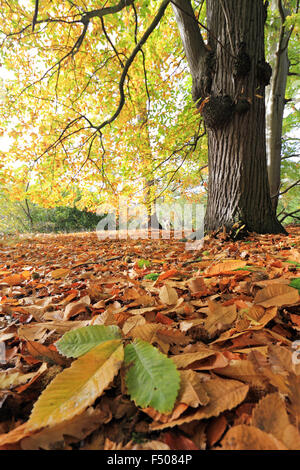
229	79
275	105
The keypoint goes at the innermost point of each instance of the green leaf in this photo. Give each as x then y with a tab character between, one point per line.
152	276
294	263
152	378
295	283
77	342
247	268
143	262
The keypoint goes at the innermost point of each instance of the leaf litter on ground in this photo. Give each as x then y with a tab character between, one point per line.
227	314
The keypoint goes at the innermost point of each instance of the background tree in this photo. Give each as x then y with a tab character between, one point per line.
82	72
280	28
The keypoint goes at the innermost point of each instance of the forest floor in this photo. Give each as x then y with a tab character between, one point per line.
226	313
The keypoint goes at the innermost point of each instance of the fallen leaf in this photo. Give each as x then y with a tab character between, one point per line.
243	437
75	430
192	391
226	267
168	295
74	308
59	273
270	416
215	430
11	378
78	386
276	295
223	395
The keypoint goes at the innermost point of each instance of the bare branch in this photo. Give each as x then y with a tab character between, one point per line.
111	43
297	183
36	11
141	42
290	214
290	156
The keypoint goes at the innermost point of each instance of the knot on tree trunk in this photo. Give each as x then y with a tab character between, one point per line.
264	73
242	62
217	110
242	105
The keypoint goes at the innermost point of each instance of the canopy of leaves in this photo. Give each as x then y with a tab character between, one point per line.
57	94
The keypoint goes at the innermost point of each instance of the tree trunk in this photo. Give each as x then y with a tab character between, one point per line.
146	158
229	92
275	108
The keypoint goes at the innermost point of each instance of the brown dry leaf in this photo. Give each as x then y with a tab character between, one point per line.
141	311
132	293
39	331
151	445
59	273
187	325
132	322
178	307
13	280
260	317
100	304
8	333
145	332
196	284
294	395
281	360
110	445
220	317
229	335
276	295
15	435
44	353
213	362
215	430
11	378
75	429
245	371
179	442
270	416
165	418
74	308
172	336
168	295
196	431
292	254
223	395
243	437
143	300
268	282
192	391
187	360
38	309
261	363
225	267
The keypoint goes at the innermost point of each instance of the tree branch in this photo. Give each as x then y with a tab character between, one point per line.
193	43
141	42
36	11
290	214
287	189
